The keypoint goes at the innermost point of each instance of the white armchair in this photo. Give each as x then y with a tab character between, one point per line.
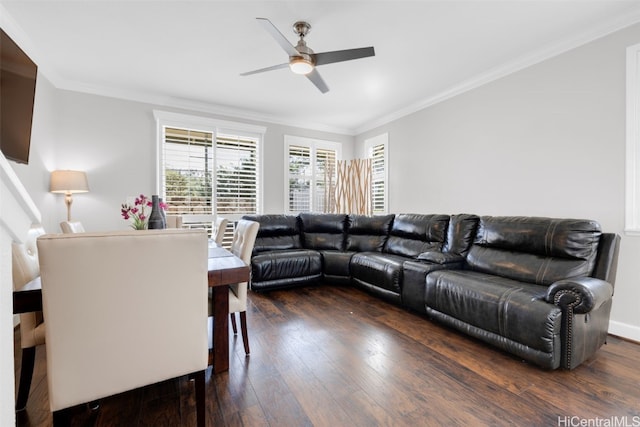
25	268
124	310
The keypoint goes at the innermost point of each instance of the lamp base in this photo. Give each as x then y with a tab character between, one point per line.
68	200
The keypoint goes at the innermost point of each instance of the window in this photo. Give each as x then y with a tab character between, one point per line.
376	149
632	188
207	170
310	175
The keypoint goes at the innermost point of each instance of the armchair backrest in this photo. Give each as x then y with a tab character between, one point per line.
220	228
244	238
123	310
72	227
24	258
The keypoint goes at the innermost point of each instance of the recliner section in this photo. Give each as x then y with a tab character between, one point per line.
279	259
540	288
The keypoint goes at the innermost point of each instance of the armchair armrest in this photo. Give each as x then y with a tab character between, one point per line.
582	295
440	257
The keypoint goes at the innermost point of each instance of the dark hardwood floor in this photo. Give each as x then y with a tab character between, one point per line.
335	356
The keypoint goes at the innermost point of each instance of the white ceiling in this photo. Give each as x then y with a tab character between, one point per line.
190	53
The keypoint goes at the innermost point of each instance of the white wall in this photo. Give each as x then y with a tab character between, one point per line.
114	141
548	140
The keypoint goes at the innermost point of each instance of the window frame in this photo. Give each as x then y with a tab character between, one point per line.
314	145
632	160
217	127
369	144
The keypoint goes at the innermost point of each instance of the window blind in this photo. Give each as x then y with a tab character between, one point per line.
210	174
300	175
378	179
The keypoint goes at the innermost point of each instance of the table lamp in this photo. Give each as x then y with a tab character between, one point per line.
68	182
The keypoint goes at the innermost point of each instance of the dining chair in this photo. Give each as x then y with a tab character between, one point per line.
72	227
25	268
174	221
244	238
219	230
117	322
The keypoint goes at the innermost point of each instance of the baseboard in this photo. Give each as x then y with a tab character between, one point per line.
624	330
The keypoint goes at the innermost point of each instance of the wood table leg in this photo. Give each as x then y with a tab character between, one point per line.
220	329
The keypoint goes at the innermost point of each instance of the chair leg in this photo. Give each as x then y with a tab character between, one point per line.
200	399
233	323
26	374
245	336
61	418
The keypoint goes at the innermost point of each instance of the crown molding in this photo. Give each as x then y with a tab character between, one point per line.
196	106
511	67
18	34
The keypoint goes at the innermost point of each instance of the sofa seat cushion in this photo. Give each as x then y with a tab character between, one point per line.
378	269
506	307
279	265
336	263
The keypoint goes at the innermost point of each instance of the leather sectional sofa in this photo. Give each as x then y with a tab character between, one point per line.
539	288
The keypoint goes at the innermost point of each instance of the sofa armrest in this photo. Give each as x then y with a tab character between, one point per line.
437	257
583	294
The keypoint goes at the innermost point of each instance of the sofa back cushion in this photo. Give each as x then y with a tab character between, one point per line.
412	234
461	233
276	232
533	249
368	233
323	231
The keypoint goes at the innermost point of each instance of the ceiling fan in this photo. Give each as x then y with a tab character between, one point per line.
302	59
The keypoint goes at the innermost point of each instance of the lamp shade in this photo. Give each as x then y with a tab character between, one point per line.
68	182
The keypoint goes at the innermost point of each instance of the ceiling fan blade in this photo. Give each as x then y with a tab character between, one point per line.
278	37
262	70
315	78
323	58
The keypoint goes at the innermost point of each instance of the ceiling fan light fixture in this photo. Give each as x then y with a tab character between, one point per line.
300	65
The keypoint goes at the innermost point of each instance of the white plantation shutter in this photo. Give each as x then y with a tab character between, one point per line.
237	179
299	179
186	173
325	180
378	179
377	151
310	175
210	173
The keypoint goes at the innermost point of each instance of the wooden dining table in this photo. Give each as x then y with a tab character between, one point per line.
224	269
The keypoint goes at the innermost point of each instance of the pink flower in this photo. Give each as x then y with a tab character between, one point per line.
137	212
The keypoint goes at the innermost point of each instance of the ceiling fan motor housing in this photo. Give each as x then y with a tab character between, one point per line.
301	28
